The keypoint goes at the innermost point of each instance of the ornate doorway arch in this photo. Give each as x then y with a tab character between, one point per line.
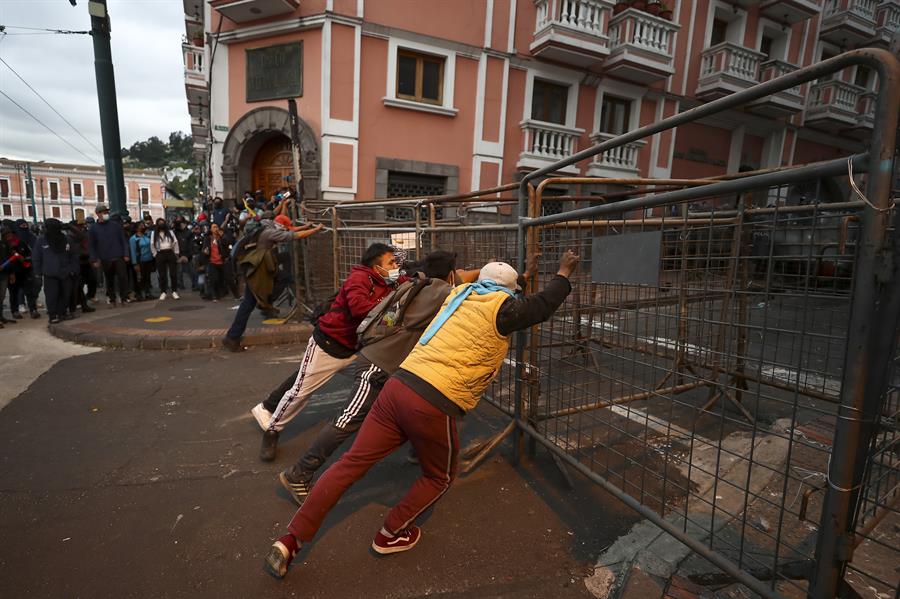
251	133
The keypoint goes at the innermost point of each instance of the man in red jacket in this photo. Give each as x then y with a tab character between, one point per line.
333	342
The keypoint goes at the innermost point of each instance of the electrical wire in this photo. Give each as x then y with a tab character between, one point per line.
61	138
74	128
42	29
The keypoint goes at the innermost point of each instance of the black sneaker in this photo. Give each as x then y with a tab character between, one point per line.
269	444
17	315
35	314
233	345
298	488
54	320
86	309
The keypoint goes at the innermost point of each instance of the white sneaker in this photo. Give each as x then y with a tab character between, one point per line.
175	295
162	296
262	415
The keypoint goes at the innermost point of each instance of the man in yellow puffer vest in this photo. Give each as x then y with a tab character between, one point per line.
443	377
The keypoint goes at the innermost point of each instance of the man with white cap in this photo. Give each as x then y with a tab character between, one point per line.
442	378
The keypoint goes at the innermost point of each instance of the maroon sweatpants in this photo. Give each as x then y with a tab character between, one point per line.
398	414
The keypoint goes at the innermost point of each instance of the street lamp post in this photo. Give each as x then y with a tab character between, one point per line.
109	112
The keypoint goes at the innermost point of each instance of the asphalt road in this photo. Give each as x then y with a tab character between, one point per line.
135	474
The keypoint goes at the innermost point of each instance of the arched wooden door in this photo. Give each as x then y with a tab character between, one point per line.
272	167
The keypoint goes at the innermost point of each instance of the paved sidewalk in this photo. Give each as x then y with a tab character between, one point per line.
186	323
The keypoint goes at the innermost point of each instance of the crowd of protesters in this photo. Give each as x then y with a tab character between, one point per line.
132	260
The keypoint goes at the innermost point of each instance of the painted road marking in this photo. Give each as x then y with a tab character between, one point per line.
158	319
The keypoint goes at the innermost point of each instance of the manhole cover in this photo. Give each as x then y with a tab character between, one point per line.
185	308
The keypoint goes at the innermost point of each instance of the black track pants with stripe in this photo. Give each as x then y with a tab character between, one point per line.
369	381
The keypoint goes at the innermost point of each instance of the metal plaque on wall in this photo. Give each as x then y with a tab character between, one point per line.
275	72
630	258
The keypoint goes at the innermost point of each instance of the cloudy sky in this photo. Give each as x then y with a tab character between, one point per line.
146	49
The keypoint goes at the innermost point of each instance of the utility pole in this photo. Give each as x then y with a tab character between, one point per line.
72	199
109	112
43	205
298	202
29	190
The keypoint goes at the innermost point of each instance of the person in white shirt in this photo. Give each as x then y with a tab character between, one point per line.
164	246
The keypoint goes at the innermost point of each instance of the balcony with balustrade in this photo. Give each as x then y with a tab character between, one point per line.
618	162
790	11
194	65
865	116
572	31
641	48
242	11
833	105
544	143
727	68
887	22
783	103
848	22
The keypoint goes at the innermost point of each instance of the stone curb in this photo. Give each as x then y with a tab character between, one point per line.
128	338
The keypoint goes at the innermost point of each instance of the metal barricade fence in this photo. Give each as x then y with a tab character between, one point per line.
732	375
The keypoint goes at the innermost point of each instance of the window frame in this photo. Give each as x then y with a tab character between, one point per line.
8	187
97	188
3	210
629	107
141	189
447	83
55	212
550	82
781	39
77	196
30	211
560	76
623	91
735	16
50	183
421	58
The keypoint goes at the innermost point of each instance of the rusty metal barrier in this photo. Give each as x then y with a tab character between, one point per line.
737	385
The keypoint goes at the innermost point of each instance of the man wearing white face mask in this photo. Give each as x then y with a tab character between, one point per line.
108	247
333	342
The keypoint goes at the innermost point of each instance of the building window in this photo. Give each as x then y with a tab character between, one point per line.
54	190
145	195
719	32
101	192
30	210
549	102
408	185
863	77
7	210
54	211
420	77
76	190
615	115
79	215
765	46
4	188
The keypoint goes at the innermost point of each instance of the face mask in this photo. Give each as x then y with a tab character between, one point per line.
105	216
392	275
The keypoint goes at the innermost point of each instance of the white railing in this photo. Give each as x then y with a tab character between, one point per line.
730	59
582	15
550	141
641	30
863	8
624	157
892	16
772	69
839	94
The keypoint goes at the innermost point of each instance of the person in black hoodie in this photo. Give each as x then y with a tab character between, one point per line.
79	239
19	271
56	260
7	263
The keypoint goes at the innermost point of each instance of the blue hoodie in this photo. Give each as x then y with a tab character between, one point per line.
140	249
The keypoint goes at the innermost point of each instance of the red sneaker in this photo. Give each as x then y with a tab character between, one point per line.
281	554
402	541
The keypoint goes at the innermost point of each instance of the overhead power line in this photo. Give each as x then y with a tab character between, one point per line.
58	31
44	100
61	138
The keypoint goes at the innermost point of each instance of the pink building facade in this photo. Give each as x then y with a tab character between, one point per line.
404	97
71	191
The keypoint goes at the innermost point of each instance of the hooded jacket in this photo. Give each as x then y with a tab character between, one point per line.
54	263
362	290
